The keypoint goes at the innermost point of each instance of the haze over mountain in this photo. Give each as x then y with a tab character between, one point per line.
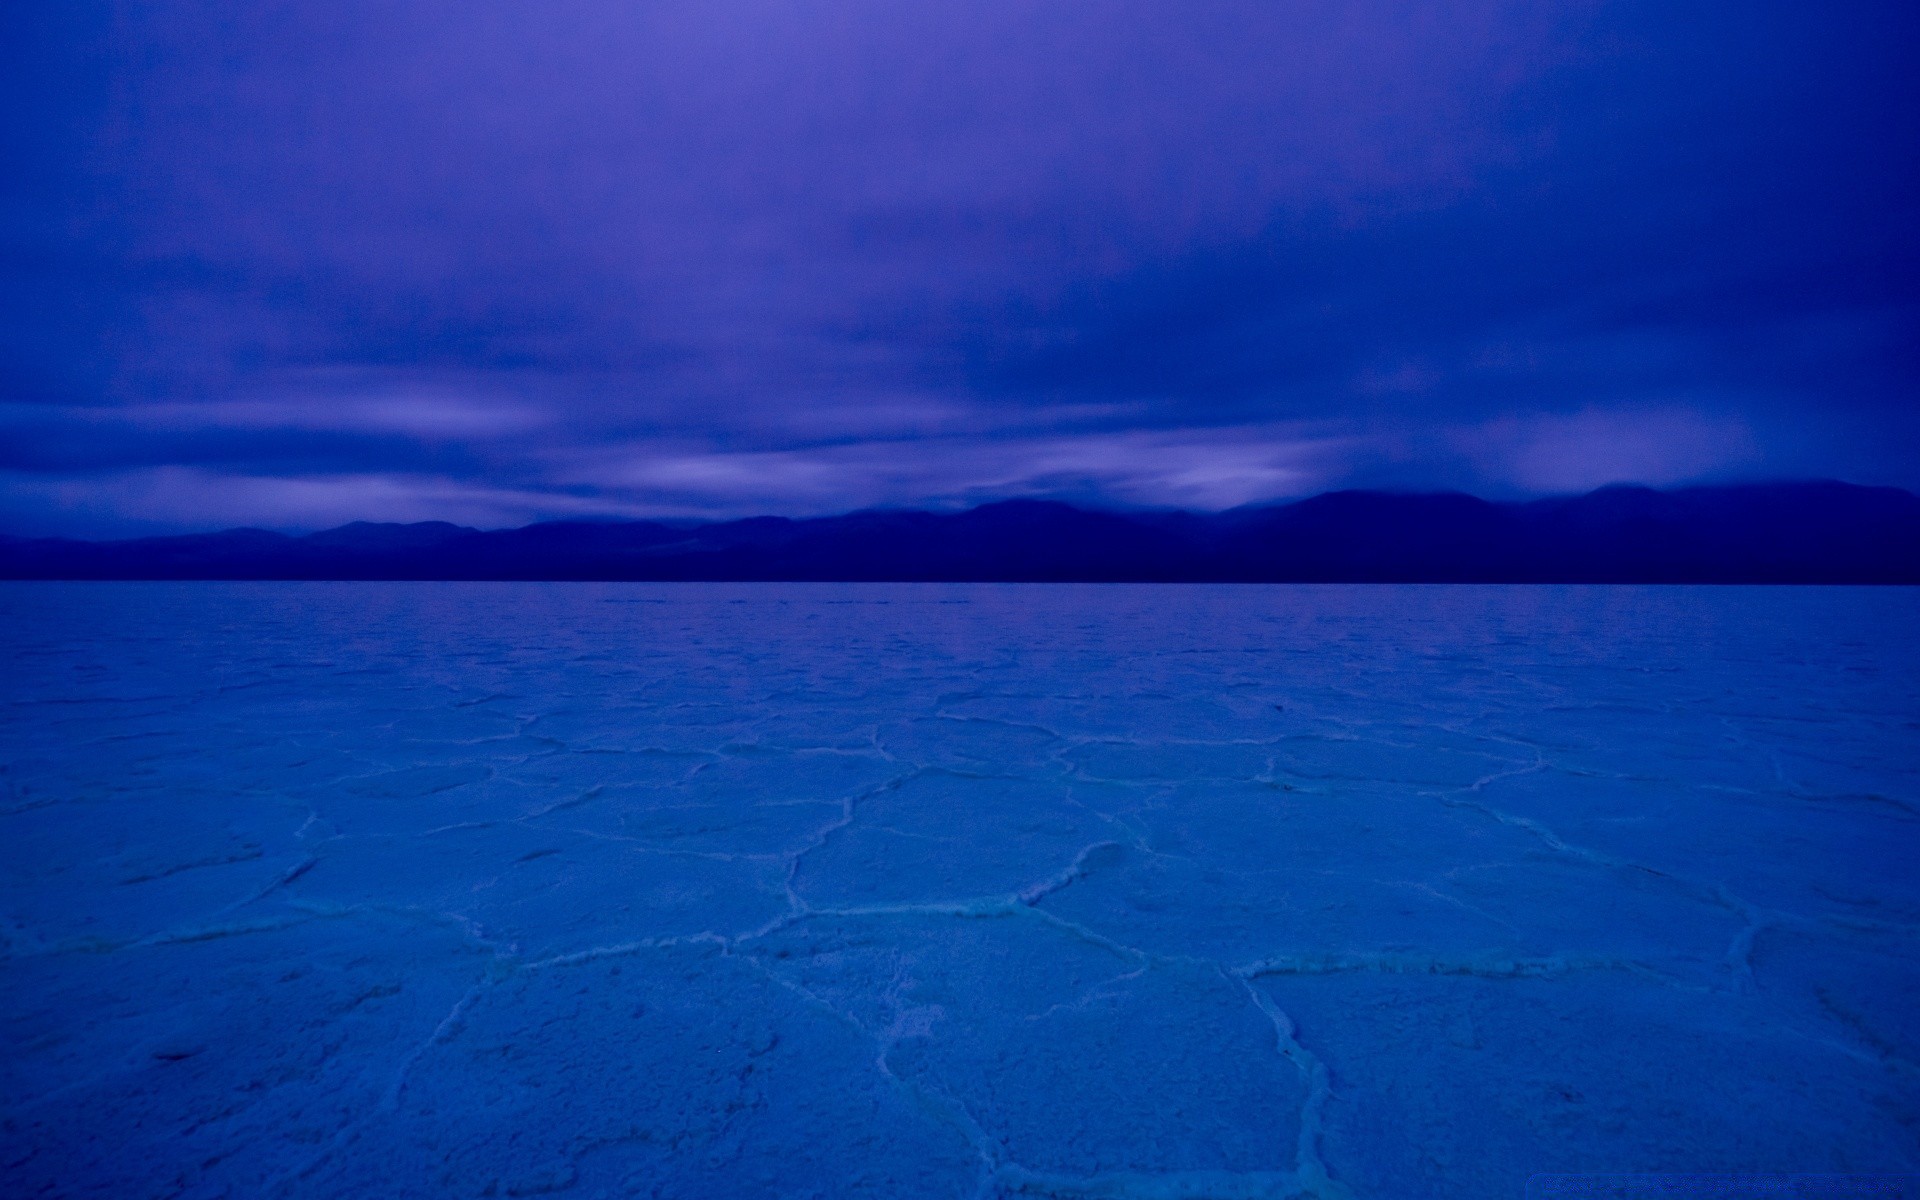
1790	532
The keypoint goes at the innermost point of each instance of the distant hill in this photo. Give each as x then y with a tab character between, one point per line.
1820	532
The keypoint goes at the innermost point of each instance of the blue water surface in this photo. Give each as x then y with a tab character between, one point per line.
461	890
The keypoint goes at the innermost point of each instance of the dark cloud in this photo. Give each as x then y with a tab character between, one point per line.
291	264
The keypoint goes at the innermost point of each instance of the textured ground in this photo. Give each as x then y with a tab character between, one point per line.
740	891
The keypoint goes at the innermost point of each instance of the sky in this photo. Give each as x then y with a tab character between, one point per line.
297	264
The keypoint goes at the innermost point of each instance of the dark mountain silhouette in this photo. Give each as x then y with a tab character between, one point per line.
1761	533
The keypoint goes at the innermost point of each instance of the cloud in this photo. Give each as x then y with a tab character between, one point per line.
386	407
702	257
1594	447
1210	469
1215	470
188	498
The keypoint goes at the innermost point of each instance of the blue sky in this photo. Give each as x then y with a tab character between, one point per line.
297	264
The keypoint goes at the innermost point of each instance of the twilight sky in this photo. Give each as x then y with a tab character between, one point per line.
295	264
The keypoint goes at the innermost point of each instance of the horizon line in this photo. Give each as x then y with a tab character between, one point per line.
958	510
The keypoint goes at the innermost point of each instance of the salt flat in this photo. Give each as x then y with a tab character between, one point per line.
971	890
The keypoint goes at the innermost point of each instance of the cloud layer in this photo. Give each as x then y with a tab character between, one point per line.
496	261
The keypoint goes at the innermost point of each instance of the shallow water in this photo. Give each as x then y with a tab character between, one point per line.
777	890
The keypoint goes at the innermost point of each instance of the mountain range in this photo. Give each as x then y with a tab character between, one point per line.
1813	532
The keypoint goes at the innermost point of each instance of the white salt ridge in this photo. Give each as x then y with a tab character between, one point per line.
428	890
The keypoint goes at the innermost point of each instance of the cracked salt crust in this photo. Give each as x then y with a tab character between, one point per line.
989	891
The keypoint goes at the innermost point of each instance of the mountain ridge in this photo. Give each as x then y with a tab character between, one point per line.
1796	532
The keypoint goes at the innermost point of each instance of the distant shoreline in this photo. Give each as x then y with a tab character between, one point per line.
1780	533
